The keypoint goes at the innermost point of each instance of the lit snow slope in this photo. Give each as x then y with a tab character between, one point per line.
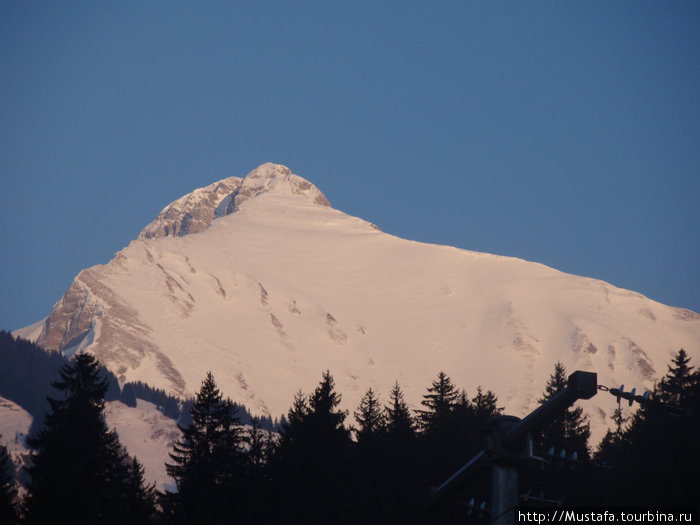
262	282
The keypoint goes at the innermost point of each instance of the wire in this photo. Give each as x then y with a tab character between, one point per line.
645	399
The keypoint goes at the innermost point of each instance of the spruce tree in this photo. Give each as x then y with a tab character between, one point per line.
570	430
370	418
257	443
79	471
441	399
676	387
447	430
485	405
311	464
370	457
405	486
260	446
141	496
399	423
8	490
208	461
656	460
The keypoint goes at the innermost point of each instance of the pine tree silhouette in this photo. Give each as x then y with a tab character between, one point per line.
8	490
370	459
79	472
261	446
445	424
311	465
656	460
399	422
570	431
405	483
208	461
676	387
485	405
440	401
371	419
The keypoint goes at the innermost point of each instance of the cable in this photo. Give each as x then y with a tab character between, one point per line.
619	393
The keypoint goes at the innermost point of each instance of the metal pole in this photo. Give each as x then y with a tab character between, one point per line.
507	439
452	484
504	494
504	474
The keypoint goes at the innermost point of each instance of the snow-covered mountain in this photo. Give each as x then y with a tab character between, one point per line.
262	282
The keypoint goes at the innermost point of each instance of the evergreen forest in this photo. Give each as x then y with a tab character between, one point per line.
322	464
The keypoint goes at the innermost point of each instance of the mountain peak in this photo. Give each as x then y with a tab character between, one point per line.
194	212
275	178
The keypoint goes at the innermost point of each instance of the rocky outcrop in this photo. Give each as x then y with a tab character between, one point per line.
271	177
195	211
71	319
91	314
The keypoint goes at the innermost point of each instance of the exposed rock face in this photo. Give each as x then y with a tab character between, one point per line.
90	309
195	211
71	318
268	177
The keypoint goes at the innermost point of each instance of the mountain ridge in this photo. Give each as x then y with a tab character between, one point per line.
195	211
283	286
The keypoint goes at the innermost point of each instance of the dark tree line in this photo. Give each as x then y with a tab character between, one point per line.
652	456
9	505
324	468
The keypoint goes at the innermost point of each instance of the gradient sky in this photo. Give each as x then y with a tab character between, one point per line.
566	133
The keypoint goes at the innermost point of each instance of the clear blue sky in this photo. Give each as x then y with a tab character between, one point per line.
566	133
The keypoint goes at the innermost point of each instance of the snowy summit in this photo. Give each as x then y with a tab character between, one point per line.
260	281
195	211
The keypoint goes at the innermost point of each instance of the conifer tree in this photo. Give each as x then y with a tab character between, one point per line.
141	496
370	418
569	431
464	435
676	387
257	442
260	446
79	471
370	457
311	464
463	410
447	430
8	491
405	484
441	399
326	421
399	423
208	461
485	405
656	460
613	439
